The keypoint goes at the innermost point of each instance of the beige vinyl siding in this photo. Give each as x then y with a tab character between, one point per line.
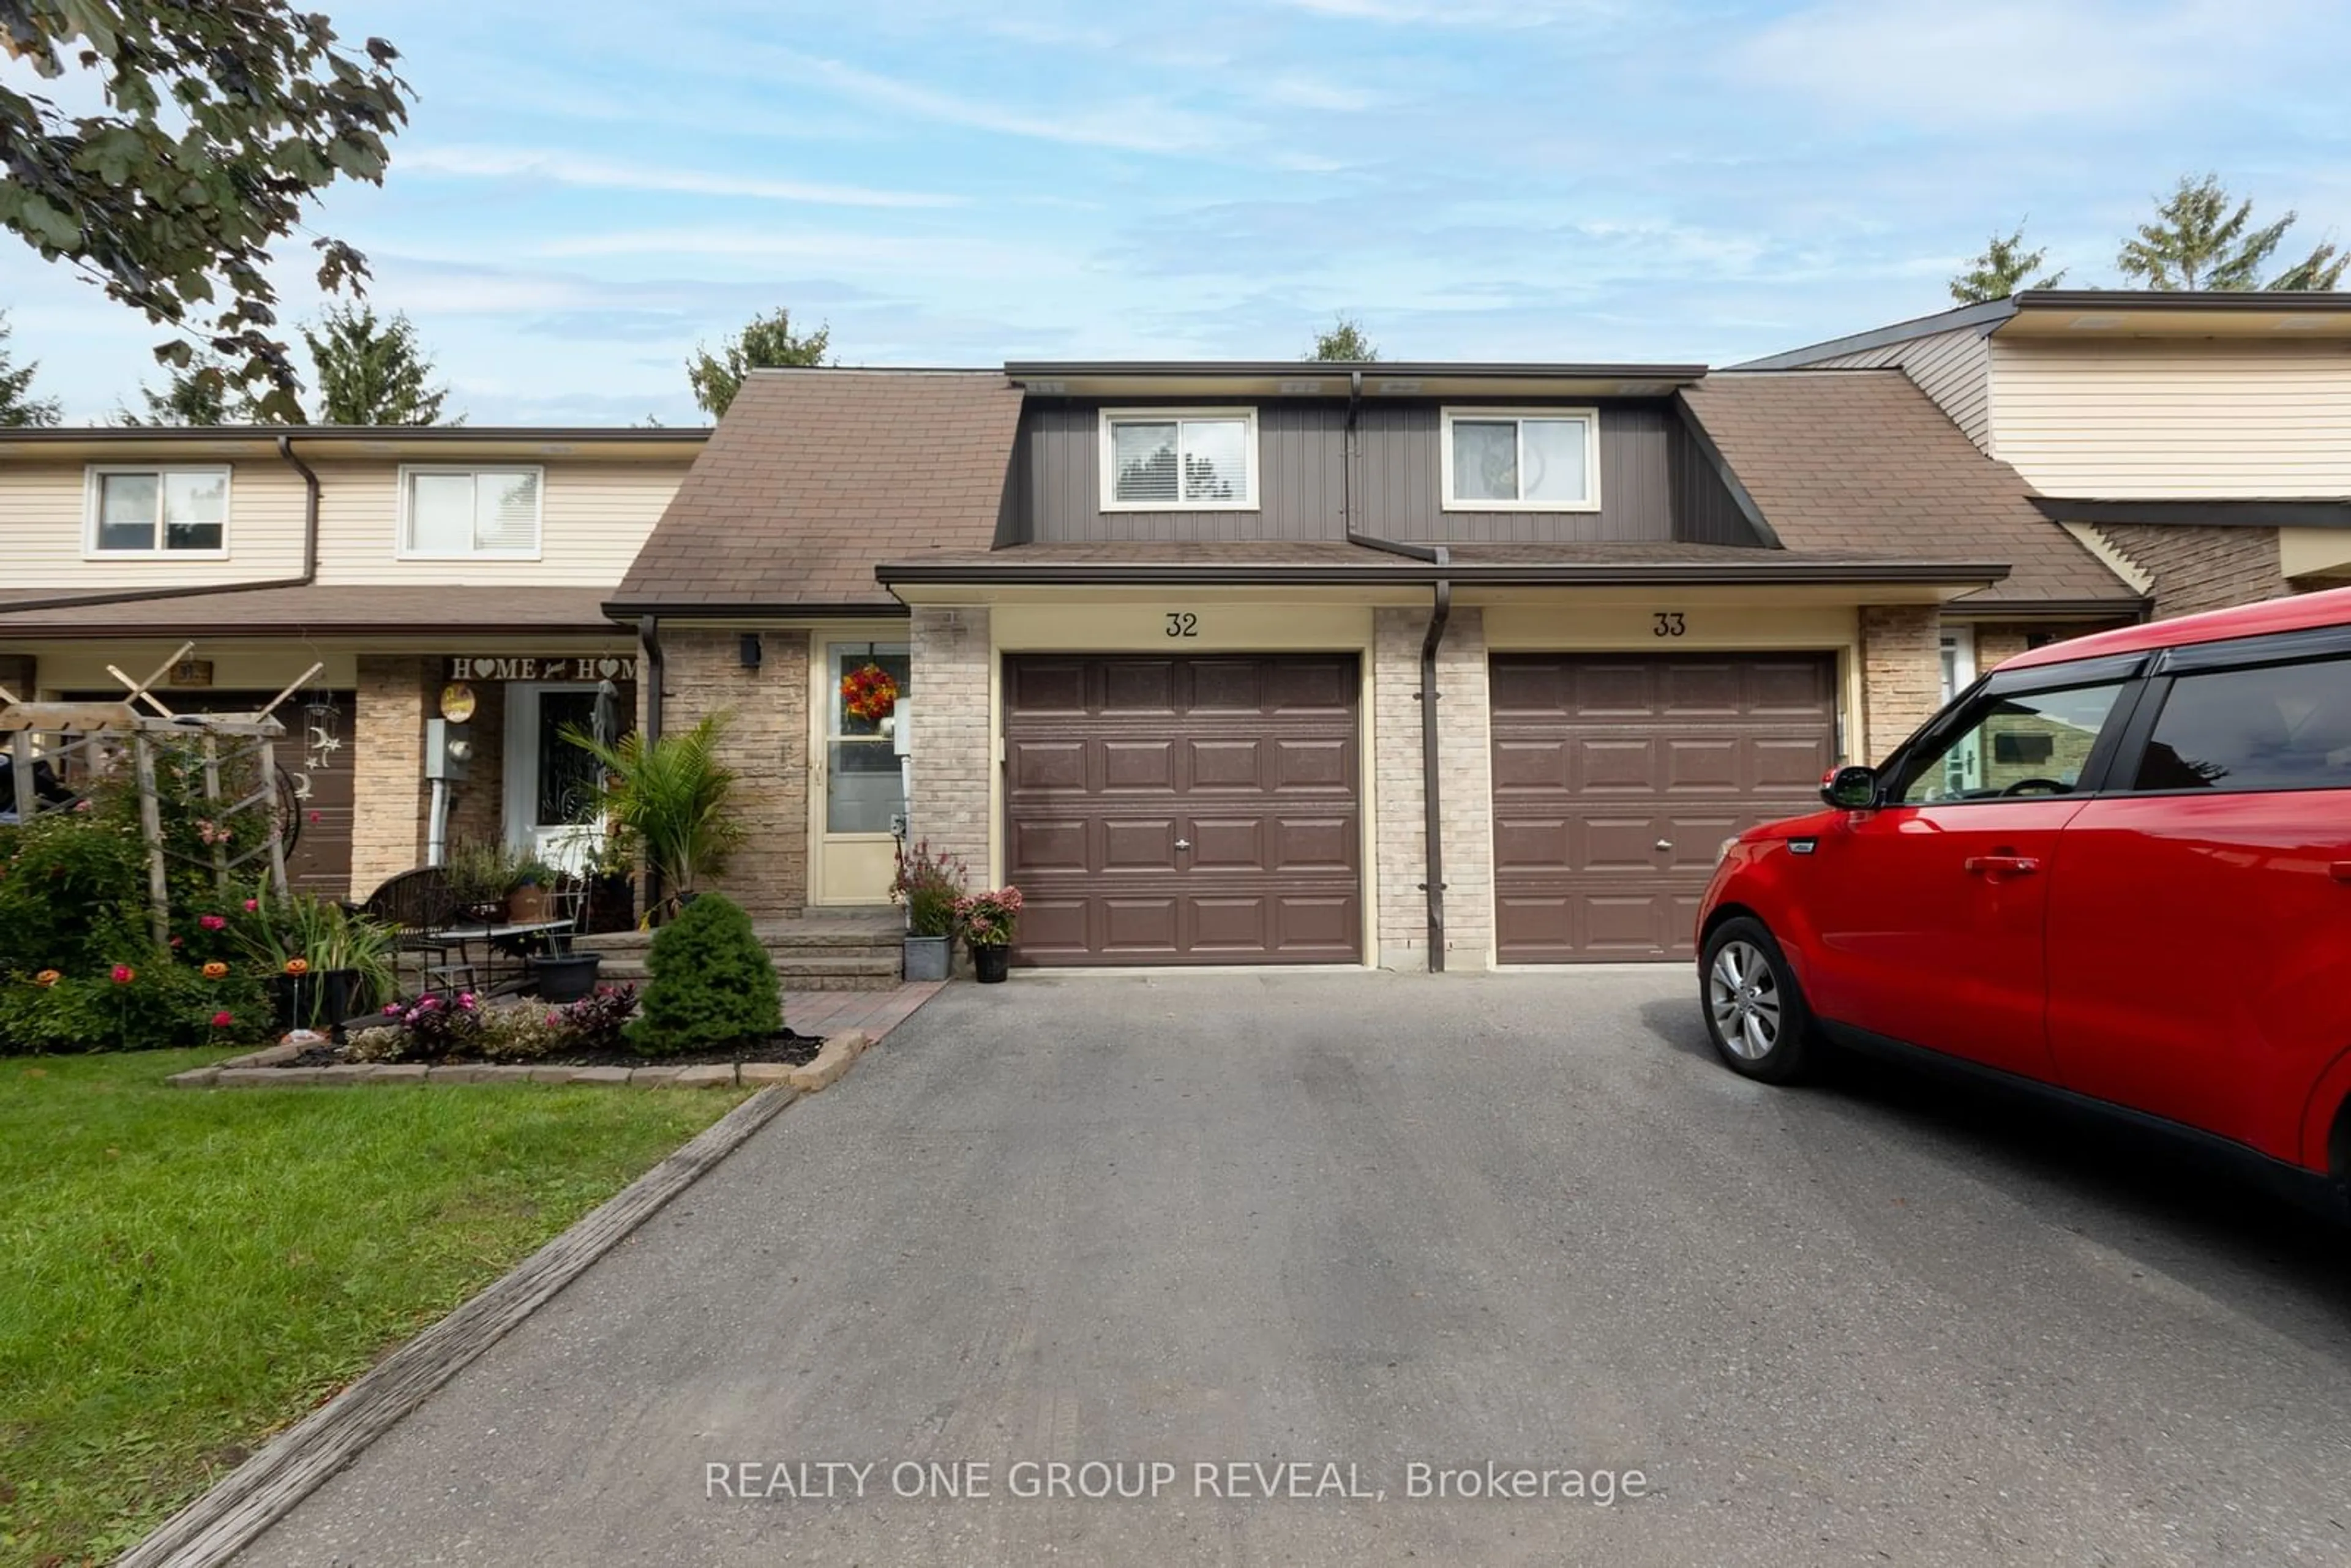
2175	420
592	518
43	525
1952	367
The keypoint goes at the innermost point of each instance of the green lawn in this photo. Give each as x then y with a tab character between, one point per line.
183	1273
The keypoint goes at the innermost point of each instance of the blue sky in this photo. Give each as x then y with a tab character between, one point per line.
586	191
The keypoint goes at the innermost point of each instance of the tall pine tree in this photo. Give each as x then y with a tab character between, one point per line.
373	373
2201	240
764	342
18	407
1345	343
2002	269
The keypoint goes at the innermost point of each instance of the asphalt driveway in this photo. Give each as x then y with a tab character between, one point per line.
1384	1222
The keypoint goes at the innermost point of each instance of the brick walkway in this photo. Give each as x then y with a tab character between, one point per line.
875	1012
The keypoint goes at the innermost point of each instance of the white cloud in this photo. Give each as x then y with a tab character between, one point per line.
1505	14
567	169
1297	90
919	256
1925	61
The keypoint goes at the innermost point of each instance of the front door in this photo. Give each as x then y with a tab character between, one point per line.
1931	911
861	796
551	785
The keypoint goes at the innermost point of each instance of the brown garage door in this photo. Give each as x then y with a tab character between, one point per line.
1617	778
1183	810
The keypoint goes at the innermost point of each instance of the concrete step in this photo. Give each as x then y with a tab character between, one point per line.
797	971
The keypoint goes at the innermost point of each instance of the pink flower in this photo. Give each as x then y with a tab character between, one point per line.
314	818
83	805
555	1018
251	904
179	941
211	922
124	974
392	1010
222	1020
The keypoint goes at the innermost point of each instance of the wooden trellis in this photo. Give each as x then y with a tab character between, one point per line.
86	742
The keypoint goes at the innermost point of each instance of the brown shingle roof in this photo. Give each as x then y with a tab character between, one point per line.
1864	461
318	612
813	476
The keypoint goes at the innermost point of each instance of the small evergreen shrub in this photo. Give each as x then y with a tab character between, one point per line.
710	986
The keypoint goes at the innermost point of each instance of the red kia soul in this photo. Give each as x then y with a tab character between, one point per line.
2118	867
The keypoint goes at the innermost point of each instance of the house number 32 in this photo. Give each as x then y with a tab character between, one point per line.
1668	624
1182	623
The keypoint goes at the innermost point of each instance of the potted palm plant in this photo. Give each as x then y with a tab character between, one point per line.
987	921
671	800
929	886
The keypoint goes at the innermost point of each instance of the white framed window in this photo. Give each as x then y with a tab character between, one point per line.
1179	460
179	512
469	513
1959	659
1521	459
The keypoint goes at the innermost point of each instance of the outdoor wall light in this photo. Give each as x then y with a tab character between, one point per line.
751	652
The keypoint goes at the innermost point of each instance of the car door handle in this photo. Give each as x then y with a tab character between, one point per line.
2001	866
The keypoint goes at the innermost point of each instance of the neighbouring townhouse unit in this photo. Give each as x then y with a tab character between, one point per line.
401	561
1402	665
2199	442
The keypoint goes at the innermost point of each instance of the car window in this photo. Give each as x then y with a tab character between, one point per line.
2281	726
2027	743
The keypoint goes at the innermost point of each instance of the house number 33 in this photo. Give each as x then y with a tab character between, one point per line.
1182	623
1668	624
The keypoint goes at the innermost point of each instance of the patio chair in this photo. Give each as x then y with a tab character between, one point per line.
416	905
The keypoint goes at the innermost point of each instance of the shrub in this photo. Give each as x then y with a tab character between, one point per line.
161	1004
436	1027
929	886
73	890
384	1042
987	919
526	1032
598	1022
711	986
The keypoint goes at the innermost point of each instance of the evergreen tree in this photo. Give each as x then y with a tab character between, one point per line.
203	394
373	373
1344	342
2002	270
764	342
18	407
2199	240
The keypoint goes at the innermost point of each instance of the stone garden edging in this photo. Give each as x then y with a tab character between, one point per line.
256	1070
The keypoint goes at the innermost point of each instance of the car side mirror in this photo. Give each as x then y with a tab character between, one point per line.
1851	789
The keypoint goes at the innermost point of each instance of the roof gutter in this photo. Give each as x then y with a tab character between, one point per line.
142	595
1424	566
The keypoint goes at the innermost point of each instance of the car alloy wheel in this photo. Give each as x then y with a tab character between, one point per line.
1744	996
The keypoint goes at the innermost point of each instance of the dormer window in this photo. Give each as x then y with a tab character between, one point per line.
158	511
1179	460
1522	460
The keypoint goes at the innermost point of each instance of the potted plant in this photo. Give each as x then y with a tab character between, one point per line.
532	896
672	797
322	964
480	872
987	921
929	886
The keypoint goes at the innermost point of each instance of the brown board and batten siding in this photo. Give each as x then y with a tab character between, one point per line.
1650	473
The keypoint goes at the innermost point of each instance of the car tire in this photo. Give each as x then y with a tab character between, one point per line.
1755	1013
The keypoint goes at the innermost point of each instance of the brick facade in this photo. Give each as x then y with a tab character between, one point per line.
396	693
1466	789
1998	641
2195	569
953	744
1901	672
766	740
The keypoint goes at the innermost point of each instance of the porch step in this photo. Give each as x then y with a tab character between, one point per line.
799	971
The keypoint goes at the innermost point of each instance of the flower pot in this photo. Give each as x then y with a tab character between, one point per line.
320	996
566	977
992	965
926	957
528	904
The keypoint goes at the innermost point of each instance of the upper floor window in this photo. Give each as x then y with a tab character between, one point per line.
450	513
159	511
1522	460
1179	460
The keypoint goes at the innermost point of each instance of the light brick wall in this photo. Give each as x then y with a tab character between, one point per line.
1998	641
2195	569
1901	673
954	747
766	740
1465	790
388	789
